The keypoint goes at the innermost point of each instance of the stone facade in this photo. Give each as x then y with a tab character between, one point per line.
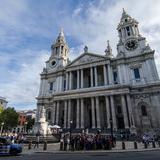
94	91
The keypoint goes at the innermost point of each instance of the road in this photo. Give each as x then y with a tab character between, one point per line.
148	155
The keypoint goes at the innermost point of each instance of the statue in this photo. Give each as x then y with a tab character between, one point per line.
85	49
42	125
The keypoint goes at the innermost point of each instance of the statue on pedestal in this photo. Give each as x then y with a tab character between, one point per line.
41	126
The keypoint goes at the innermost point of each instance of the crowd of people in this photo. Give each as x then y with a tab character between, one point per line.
15	137
87	142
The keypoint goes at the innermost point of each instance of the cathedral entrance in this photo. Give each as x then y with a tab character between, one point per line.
87	113
120	122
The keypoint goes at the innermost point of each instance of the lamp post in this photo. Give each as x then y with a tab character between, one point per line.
25	127
2	124
71	122
111	124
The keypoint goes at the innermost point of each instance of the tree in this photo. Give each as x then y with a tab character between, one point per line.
10	118
1	109
30	123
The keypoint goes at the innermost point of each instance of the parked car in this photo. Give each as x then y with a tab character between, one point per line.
8	148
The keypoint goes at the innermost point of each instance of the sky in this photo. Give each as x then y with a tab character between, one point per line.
28	28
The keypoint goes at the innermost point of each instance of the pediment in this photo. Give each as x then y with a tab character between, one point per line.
86	58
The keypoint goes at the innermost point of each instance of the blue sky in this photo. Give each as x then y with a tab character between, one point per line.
29	27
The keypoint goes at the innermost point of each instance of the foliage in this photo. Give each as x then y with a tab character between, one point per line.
1	109
9	117
30	123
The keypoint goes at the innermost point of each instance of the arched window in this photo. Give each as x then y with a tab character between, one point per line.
49	115
144	110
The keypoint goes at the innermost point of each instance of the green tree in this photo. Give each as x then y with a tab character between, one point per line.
1	109
30	123
10	118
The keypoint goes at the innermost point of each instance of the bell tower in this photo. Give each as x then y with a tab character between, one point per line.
59	52
130	40
127	28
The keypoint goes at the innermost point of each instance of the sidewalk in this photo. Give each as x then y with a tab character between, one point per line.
55	148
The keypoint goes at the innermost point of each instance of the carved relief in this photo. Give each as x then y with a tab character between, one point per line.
86	59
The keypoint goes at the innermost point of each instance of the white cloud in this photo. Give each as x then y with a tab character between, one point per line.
24	85
91	24
101	21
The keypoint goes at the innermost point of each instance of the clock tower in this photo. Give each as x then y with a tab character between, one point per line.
59	53
130	41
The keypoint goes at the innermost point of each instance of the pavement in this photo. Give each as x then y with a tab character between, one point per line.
55	148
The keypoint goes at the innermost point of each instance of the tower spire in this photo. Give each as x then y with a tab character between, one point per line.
61	34
124	12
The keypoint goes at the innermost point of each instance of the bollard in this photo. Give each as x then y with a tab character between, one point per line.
30	145
145	145
123	145
159	143
135	145
45	145
153	144
61	145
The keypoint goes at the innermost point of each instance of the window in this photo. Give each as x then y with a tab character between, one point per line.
51	86
64	85
56	50
115	77
144	110
49	115
136	73
128	30
61	49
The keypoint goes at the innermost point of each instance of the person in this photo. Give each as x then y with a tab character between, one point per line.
37	141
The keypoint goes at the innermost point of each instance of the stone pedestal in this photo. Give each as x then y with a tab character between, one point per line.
41	126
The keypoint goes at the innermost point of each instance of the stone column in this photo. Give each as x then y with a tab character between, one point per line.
67	80
108	112
113	113
54	112
91	73
57	113
81	78
98	113
110	74
93	112
95	74
125	116
131	118
69	113
70	80
65	114
77	115
78	79
105	74
82	113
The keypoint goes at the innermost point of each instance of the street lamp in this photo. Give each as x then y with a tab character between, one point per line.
25	127
111	125
2	124
71	122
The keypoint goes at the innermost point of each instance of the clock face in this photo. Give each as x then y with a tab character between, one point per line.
53	63
131	44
